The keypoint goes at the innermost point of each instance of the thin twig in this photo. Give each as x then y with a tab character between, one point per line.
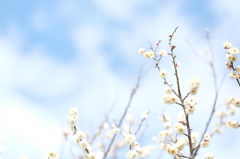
139	126
125	112
216	88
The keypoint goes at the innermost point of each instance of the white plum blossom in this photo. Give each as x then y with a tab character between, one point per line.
132	154
144	115
204	144
169	99
162	52
163	74
233	124
236	102
168	90
172	151
130	138
142	51
85	145
180	128
180	144
233	75
53	155
233	51
227	45
149	54
209	156
80	134
195	83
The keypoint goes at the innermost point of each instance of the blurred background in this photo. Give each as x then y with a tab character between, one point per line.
58	54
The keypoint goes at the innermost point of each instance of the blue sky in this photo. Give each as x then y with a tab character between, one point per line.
58	54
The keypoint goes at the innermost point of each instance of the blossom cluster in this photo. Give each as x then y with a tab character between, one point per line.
169	98
151	53
80	140
135	149
171	141
194	85
231	58
190	105
231	103
73	117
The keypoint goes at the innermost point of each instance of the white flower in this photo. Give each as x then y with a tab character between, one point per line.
168	90
139	150
85	145
233	51
130	138
52	155
105	125
132	154
209	156
92	155
73	117
236	102
221	114
233	75
234	58
73	111
227	45
193	91
172	151
116	130
204	144
230	58
162	133
149	54
141	51
162	52
167	125
165	147
195	83
135	145
207	137
180	144
194	137
81	135
180	128
169	99
233	124
109	135
147	151
168	132
228	101
181	116
163	74
144	115
190	109
237	69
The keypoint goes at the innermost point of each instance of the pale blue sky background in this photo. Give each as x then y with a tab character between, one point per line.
59	54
